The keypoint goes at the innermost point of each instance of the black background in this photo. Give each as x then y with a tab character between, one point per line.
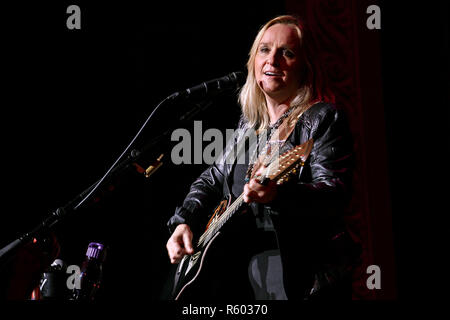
73	99
78	97
416	90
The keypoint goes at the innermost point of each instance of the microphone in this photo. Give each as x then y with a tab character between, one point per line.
212	87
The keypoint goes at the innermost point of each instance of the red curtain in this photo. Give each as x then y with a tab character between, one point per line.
351	55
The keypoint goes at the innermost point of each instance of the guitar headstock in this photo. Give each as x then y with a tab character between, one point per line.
288	163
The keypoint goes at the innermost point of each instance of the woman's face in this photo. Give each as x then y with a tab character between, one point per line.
277	62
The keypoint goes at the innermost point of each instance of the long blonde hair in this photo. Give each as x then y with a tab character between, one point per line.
311	89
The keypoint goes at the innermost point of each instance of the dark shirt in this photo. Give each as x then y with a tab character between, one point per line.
264	269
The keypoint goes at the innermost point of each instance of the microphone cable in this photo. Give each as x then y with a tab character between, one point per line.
233	78
122	154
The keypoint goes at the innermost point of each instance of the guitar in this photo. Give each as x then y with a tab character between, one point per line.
278	170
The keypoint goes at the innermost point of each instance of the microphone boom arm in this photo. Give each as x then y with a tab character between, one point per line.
215	86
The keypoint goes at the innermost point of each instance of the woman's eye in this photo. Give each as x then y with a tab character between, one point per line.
264	49
288	54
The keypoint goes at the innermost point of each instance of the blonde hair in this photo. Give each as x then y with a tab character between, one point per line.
311	89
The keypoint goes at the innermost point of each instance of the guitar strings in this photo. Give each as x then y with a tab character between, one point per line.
269	161
217	224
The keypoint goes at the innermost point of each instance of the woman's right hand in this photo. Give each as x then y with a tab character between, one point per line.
180	243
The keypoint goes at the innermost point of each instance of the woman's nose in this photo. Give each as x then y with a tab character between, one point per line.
272	58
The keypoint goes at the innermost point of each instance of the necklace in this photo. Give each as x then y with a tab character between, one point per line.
271	129
280	119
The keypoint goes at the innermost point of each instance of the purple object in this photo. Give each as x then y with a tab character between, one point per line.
95	250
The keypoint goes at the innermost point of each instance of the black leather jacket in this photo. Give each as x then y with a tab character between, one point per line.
308	211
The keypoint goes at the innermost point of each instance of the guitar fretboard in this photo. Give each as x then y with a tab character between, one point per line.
216	225
277	169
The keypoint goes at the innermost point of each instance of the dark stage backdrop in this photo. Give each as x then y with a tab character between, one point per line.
74	99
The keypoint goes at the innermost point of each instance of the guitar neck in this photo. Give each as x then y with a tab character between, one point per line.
215	226
277	170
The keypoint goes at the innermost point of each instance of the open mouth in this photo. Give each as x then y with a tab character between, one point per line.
273	74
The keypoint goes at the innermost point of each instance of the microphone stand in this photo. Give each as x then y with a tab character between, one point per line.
7	252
